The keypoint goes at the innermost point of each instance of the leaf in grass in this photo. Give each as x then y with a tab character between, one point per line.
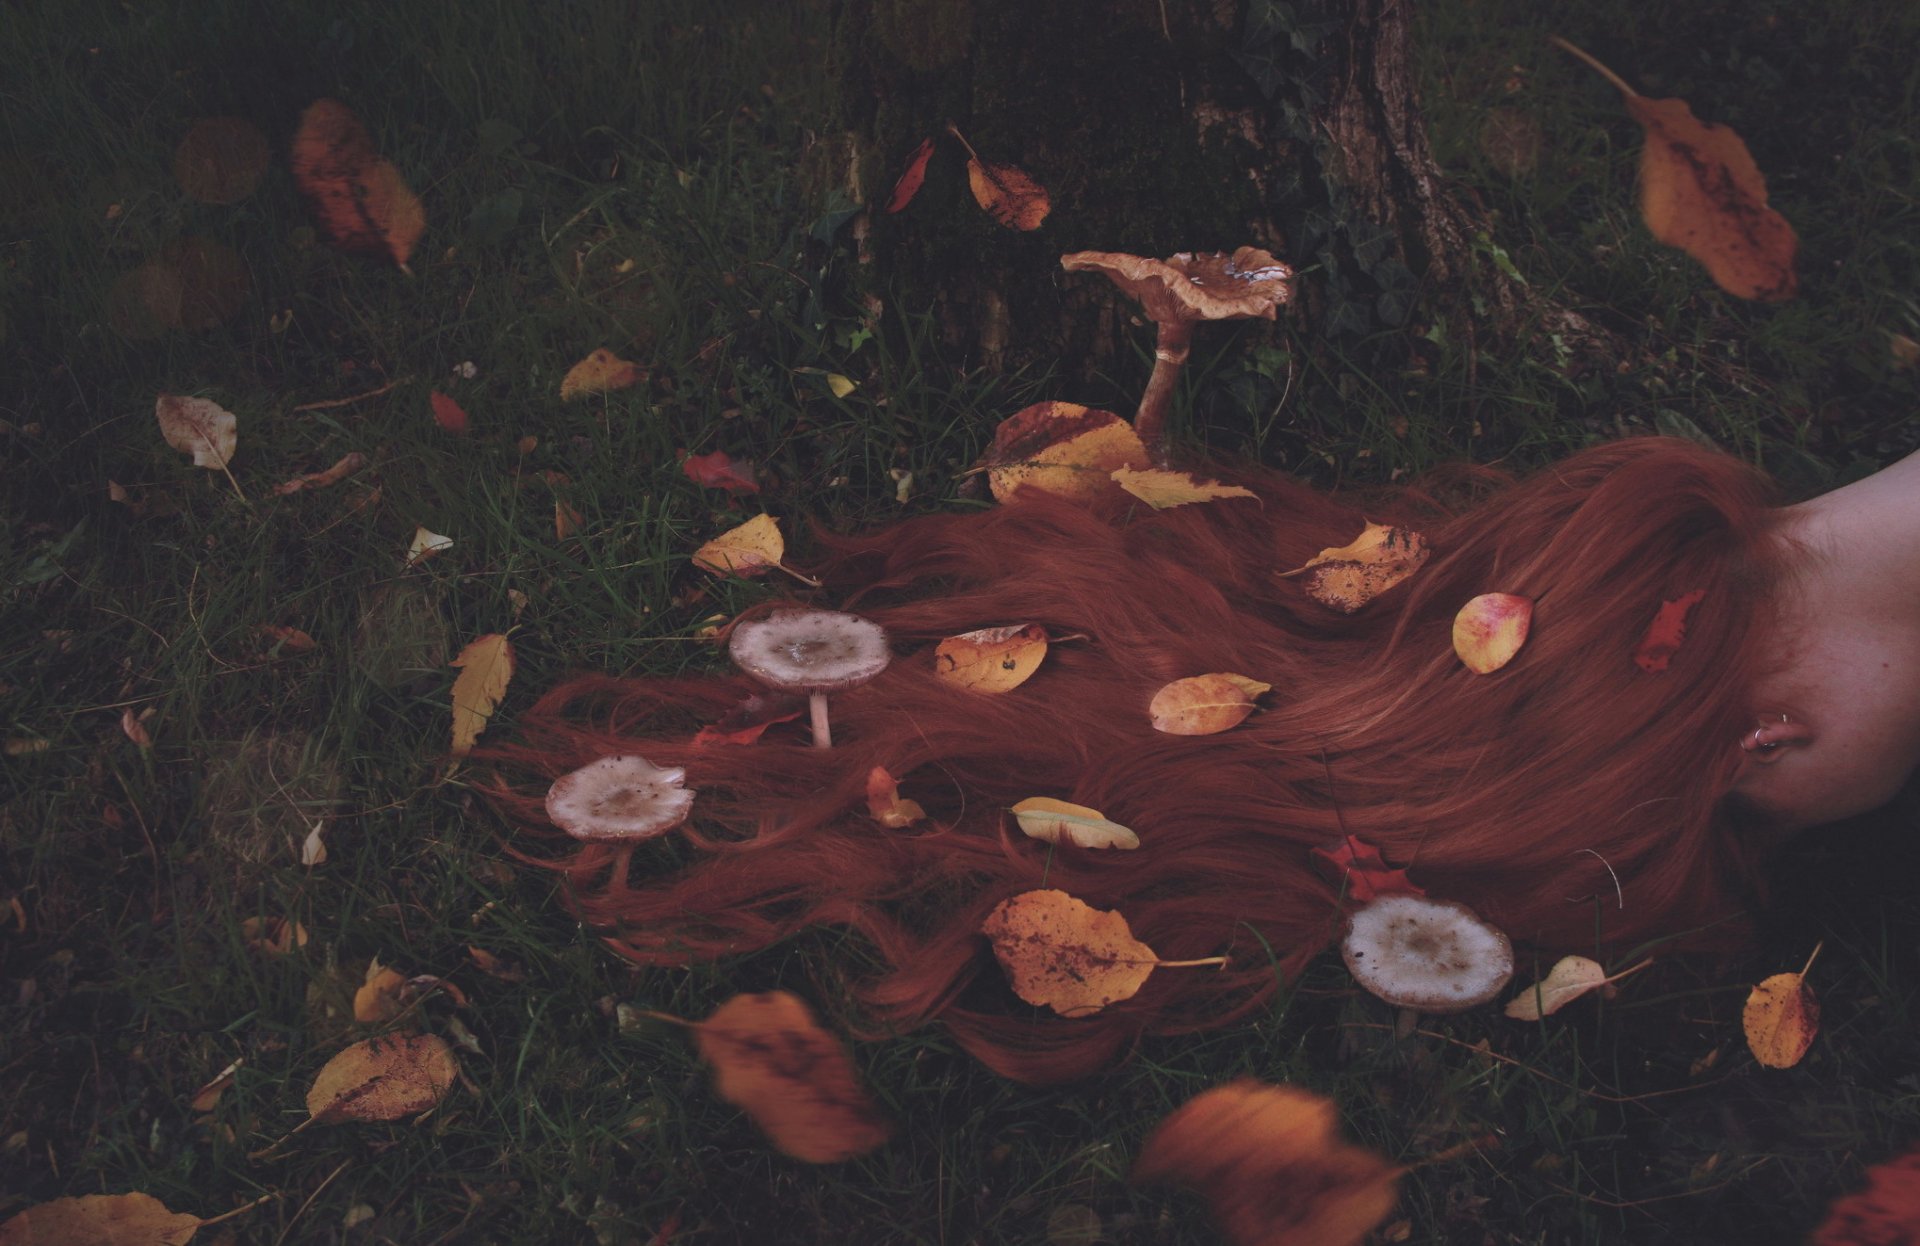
1664	634
382	996
1162	489
1349	576
720	470
425	545
99	1220
1490	629
1358	868
1050	821
272	936
1007	192
383	1079
346	466
486	666
1204	704
772	1060
1781	1018
992	659
361	201
911	178
1569	979
197	427
884	803
1060	952
1272	1166
447	413
752	548
599	373
292	639
132	728
1061	448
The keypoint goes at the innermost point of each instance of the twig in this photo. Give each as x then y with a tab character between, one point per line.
1594	65
331	403
244	1207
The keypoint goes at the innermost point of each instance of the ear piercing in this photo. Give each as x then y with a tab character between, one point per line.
1770	735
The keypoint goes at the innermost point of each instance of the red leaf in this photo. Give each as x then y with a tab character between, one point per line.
909	184
747	721
447	413
720	471
1664	634
1366	874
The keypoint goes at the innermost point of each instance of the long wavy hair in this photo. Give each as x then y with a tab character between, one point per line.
1571	798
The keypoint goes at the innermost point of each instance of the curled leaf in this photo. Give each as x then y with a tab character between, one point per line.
992	659
1569	979
1204	704
1349	576
360	200
1050	821
381	996
425	545
346	466
884	803
1490	629
383	1079
1061	448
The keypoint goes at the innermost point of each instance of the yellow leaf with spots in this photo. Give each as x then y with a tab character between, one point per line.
1349	576
1061	448
383	1079
1161	489
599	373
1781	1018
486	666
992	659
753	548
1064	954
1204	704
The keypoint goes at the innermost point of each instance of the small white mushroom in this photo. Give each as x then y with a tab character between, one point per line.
1426	955
811	651
619	798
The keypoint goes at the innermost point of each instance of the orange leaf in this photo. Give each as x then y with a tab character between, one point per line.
1888	1210
383	1079
1348	577
772	1060
1362	872
1008	194
719	470
221	159
1061	448
1204	704
911	178
272	936
753	548
447	413
360	199
884	803
381	996
1781	1018
1271	1164
1065	954
1162	489
992	659
1490	629
1665	632
598	373
100	1220
486	668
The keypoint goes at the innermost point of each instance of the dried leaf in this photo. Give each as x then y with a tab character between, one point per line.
131	728
447	413
1063	953
1362	872
348	464
753	548
313	849
911	177
99	1220
272	936
1665	632
749	720
383	1079
495	966
382	996
221	159
207	1097
599	373
425	545
772	1060
1348	577
720	470
292	639
1162	489
1050	821
1781	1018
1204	704
840	386
992	659
566	520
361	201
1061	448
884	803
1490	629
1008	194
197	427
1887	1211
486	667
1270	1162
1569	979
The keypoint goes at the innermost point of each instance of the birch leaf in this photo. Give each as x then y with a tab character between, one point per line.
383	1079
425	545
197	427
99	1220
1061	448
1569	979
753	548
1781	1018
599	373
992	659
1050	821
1204	704
486	667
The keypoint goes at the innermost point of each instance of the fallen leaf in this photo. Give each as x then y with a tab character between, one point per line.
292	639
1050	821
1204	704
362	203
752	548
272	936
840	386
348	464
381	996
772	1060
1349	576
131	728
884	803
599	373
383	1079
99	1220
1362	872
1569	979
495	966
221	160
992	659
1781	1018
197	427
749	720
1060	952
1271	1164
1664	634
566	520
1903	351
1490	629
1007	192
1061	448
720	470
447	413
486	667
1885	1213
425	545
1701	191
313	849
911	178
1162	489
207	1097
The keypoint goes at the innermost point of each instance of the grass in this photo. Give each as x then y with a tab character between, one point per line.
638	177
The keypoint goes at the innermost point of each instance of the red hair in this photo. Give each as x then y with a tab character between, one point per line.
1567	794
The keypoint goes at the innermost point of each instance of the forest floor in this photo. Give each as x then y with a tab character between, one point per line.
209	684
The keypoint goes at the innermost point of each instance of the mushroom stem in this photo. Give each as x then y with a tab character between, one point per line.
822	736
1169	356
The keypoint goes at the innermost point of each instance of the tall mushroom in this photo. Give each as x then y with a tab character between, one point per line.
1426	955
811	651
619	801
1175	293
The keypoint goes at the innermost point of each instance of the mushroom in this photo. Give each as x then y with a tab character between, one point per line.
811	651
619	798
1426	955
1176	292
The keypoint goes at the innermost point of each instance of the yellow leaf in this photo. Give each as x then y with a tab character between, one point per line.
1204	704
884	803
1065	954
1349	576
1049	820
993	659
99	1220
197	427
1270	1162
383	1079
486	667
1781	1018
1161	489
1008	194
1569	979
840	386
772	1060
380	997
599	373
1490	629
753	548
1061	448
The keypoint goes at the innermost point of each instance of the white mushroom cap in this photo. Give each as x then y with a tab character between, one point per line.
619	798
1429	955
810	650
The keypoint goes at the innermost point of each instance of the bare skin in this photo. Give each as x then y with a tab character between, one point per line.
1837	731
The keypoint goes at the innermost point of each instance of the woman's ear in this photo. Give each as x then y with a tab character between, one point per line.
1767	742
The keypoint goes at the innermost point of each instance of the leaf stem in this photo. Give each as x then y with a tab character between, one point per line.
1810	959
1188	964
1595	65
955	131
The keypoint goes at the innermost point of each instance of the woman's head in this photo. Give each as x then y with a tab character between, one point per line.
1571	791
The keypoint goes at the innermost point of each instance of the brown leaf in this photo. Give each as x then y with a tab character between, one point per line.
1781	1018
884	803
447	413
992	659
382	996
1348	577
1270	1162
1204	704
221	159
131	727
1061	448
292	639
486	668
1063	953
1008	193
911	177
100	1220
362	203
383	1079
772	1060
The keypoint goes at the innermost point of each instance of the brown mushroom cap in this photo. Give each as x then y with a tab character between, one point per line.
1189	286
619	798
810	650
1424	954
